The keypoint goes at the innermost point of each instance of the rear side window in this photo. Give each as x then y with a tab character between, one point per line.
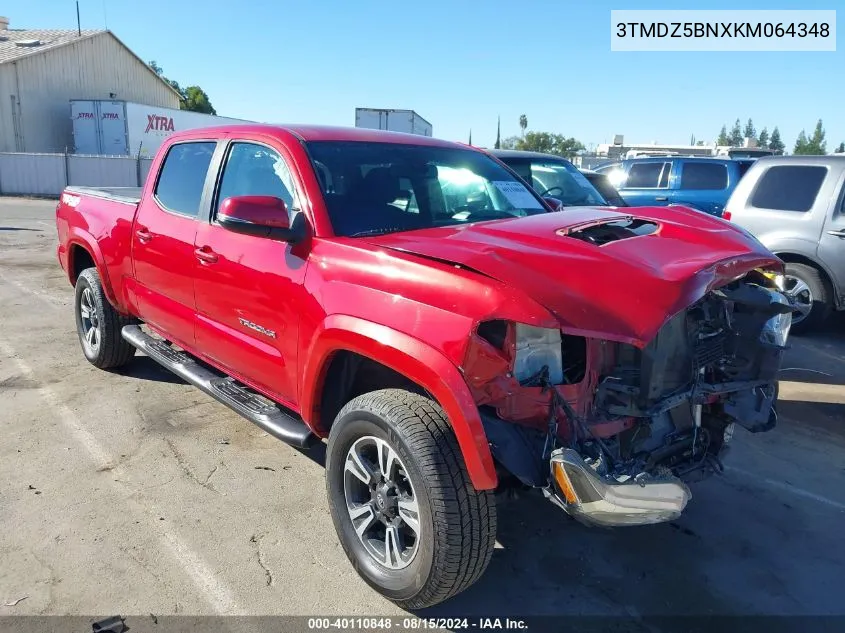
709	176
180	183
789	188
648	175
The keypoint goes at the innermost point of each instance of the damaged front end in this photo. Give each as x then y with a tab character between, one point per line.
613	432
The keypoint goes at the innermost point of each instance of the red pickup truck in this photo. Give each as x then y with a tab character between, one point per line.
449	331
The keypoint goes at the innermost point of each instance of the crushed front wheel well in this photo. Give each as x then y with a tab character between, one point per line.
348	375
79	259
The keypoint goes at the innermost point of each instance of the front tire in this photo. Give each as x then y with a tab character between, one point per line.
401	500
99	324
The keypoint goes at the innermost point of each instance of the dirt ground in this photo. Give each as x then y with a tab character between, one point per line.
131	492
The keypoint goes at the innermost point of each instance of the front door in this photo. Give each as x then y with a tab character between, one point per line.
163	241
249	290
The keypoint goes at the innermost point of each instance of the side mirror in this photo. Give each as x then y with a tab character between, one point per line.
262	216
554	203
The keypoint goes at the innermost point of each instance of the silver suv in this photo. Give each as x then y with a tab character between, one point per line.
795	205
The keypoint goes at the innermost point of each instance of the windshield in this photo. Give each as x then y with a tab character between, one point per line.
557	178
376	188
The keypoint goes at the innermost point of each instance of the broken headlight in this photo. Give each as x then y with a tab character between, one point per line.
537	347
776	329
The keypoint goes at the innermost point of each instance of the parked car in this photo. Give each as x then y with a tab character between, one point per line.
417	304
603	185
551	176
697	182
795	205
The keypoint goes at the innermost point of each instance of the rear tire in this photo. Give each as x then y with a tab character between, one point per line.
456	524
99	324
807	286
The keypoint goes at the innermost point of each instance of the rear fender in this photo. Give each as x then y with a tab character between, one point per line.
415	360
76	237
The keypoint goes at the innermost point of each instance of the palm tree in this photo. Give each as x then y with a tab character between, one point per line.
523	123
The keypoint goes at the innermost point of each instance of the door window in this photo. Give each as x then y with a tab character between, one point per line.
704	176
648	176
789	188
182	177
256	170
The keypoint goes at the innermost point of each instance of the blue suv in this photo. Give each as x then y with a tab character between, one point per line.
702	183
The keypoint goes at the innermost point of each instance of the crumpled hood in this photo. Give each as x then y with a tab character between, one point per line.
624	290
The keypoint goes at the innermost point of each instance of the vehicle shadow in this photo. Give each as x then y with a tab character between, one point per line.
735	551
145	368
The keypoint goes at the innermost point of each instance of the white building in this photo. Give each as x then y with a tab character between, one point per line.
42	70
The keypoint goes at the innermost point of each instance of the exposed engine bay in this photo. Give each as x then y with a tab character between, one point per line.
613	432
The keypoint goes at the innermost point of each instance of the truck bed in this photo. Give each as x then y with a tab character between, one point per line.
127	195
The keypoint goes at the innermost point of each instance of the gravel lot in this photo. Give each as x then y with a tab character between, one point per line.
133	493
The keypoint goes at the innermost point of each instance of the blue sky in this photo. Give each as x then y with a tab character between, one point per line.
462	63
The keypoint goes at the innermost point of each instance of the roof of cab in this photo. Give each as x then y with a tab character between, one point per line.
322	133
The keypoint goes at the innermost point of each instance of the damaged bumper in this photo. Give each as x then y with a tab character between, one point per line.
597	501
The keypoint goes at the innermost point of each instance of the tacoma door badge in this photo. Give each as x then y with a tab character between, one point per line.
257	328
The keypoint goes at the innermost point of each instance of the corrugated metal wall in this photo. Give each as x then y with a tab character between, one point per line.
48	174
92	68
32	174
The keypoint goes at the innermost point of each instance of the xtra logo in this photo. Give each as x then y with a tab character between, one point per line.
85	115
111	115
159	123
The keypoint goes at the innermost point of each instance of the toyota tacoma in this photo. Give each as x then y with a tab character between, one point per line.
450	333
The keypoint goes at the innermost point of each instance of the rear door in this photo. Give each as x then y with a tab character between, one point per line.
647	182
778	206
832	240
703	185
163	240
249	290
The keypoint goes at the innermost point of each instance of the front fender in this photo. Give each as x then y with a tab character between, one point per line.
415	360
77	237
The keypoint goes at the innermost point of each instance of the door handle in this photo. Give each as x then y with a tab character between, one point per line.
838	233
661	199
144	235
206	255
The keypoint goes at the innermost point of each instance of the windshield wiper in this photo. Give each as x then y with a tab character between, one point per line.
373	232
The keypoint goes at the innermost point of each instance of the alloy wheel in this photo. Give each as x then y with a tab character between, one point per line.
800	296
90	321
381	502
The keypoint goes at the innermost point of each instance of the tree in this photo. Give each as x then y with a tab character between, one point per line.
817	143
523	123
498	144
841	148
191	98
196	100
545	142
775	142
735	138
723	137
470	137
749	131
801	144
814	145
763	139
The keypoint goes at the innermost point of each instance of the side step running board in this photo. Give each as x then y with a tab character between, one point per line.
241	399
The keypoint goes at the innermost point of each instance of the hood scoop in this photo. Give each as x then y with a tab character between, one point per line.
610	230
